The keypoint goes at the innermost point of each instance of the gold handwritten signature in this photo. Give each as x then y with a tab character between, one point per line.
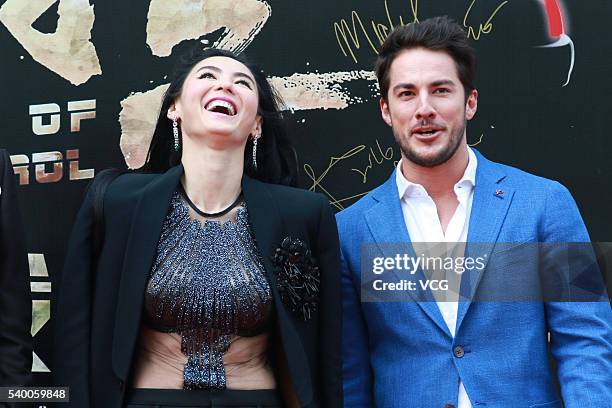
386	155
348	35
376	156
482	28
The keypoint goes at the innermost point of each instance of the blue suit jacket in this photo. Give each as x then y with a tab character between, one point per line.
400	354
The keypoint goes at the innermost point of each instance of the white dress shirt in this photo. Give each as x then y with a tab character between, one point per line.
423	224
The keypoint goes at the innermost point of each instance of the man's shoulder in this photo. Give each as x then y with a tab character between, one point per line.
364	204
517	178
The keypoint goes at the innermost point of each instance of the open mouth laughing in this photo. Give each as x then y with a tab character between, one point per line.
221	106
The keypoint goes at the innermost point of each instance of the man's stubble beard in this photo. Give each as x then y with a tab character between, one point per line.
442	157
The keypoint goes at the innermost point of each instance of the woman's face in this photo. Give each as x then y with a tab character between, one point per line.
218	101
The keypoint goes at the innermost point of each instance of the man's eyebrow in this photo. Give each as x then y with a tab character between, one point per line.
409	85
403	85
443	82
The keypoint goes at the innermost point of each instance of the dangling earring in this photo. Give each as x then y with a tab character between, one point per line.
175	132
255	151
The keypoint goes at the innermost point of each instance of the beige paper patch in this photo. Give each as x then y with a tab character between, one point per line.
137	119
172	21
68	51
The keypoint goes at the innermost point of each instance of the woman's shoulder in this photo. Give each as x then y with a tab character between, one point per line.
131	179
297	203
297	195
127	187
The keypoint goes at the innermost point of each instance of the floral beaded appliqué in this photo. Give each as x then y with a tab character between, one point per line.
297	277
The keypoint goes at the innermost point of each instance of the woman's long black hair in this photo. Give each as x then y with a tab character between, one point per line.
276	158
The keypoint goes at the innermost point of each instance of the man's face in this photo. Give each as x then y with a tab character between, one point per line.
426	106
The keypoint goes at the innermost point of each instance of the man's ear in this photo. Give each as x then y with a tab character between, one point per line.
471	105
384	111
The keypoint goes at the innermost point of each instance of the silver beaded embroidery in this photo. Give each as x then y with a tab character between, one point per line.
207	284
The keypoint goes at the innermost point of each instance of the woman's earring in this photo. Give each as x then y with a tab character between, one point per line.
175	132
255	151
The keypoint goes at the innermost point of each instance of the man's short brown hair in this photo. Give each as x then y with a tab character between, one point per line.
436	34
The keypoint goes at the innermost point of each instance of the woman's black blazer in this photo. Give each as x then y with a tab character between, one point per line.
100	303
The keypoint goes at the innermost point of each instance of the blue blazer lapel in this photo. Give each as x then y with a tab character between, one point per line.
492	198
386	224
149	216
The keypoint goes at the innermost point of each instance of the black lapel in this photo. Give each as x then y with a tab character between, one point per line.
149	215
266	220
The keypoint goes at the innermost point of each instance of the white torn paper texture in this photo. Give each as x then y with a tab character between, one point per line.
170	22
68	51
318	91
137	119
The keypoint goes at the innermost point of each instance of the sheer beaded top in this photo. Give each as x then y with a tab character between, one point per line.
207	284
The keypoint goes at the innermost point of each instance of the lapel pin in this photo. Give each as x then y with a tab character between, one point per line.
499	193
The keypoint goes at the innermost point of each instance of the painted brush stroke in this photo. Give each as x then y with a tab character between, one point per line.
68	51
170	22
556	29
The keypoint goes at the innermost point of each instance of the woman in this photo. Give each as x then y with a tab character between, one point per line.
215	284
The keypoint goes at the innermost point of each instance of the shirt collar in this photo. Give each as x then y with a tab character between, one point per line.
406	188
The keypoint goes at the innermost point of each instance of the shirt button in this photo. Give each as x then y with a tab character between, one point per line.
458	352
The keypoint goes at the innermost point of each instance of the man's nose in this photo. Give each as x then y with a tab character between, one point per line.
425	110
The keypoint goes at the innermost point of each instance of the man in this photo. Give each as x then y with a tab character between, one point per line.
427	354
15	298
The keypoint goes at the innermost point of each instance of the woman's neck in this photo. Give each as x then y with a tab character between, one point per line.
212	178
